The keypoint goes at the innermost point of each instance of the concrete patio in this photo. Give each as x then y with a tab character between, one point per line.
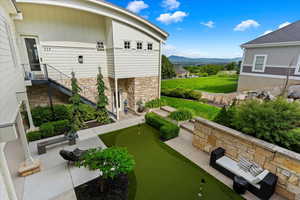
183	145
57	179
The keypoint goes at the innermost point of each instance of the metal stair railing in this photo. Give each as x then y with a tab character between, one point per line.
53	74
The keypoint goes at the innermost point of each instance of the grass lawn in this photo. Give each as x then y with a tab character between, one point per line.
201	109
160	172
213	84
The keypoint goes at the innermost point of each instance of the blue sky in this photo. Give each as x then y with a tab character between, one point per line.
213	28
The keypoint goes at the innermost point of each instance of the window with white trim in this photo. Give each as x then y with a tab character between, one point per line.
297	71
139	45
126	44
259	63
100	45
149	46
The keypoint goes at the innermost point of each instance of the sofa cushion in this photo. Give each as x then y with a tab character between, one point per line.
255	169
244	164
233	167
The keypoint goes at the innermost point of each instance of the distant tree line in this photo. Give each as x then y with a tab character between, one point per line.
167	70
213	69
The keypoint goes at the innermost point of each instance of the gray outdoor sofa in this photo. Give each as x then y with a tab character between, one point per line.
262	185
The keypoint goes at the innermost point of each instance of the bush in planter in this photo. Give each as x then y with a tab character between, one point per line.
54	128
182	114
47	130
155	103
167	129
110	162
270	120
33	136
226	116
42	115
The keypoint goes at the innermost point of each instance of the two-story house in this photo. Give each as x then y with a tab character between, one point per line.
270	59
43	41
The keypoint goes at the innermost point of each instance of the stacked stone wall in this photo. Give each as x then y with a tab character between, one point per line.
282	162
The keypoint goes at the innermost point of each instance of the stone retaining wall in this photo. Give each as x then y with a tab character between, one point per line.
282	162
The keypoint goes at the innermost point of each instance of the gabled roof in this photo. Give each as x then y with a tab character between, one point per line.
288	35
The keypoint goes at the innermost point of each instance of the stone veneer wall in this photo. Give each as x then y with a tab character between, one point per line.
282	162
133	89
38	96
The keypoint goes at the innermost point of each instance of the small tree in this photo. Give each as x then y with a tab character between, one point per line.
102	115
110	162
77	121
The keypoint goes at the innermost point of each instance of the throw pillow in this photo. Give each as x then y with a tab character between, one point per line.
255	170
244	164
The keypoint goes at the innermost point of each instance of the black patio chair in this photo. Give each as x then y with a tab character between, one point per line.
72	156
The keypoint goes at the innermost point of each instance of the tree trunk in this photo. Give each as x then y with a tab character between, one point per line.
102	184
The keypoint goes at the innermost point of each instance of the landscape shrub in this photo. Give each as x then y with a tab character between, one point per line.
42	115
201	74
167	129
88	111
272	121
47	130
50	129
181	114
182	93
226	116
155	103
61	126
33	136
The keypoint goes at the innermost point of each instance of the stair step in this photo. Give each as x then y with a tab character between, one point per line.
168	109
189	126
161	113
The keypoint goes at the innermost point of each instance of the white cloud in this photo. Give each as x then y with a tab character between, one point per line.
136	6
244	25
284	24
170	4
179	29
168	18
209	24
267	32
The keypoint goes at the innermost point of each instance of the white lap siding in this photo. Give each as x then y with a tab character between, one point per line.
132	62
65	59
9	74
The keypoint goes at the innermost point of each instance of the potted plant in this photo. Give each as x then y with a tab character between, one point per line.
112	163
141	106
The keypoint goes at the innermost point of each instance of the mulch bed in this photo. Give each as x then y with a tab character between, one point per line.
114	189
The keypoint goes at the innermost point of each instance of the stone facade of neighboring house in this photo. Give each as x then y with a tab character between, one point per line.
269	59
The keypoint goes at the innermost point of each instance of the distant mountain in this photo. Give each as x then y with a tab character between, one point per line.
201	61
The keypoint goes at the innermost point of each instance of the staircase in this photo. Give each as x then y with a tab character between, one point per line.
58	80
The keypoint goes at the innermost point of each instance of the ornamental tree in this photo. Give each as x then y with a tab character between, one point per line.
77	121
111	162
102	115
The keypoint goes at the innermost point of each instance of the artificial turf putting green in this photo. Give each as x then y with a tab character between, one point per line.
160	172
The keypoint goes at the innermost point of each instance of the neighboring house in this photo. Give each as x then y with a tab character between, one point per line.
269	59
42	42
82	36
181	72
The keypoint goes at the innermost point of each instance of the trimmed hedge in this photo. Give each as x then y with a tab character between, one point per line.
167	129
155	103
182	114
182	93
33	136
41	115
54	128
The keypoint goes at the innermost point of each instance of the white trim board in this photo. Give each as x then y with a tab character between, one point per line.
298	66
264	64
270	76
275	44
274	66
